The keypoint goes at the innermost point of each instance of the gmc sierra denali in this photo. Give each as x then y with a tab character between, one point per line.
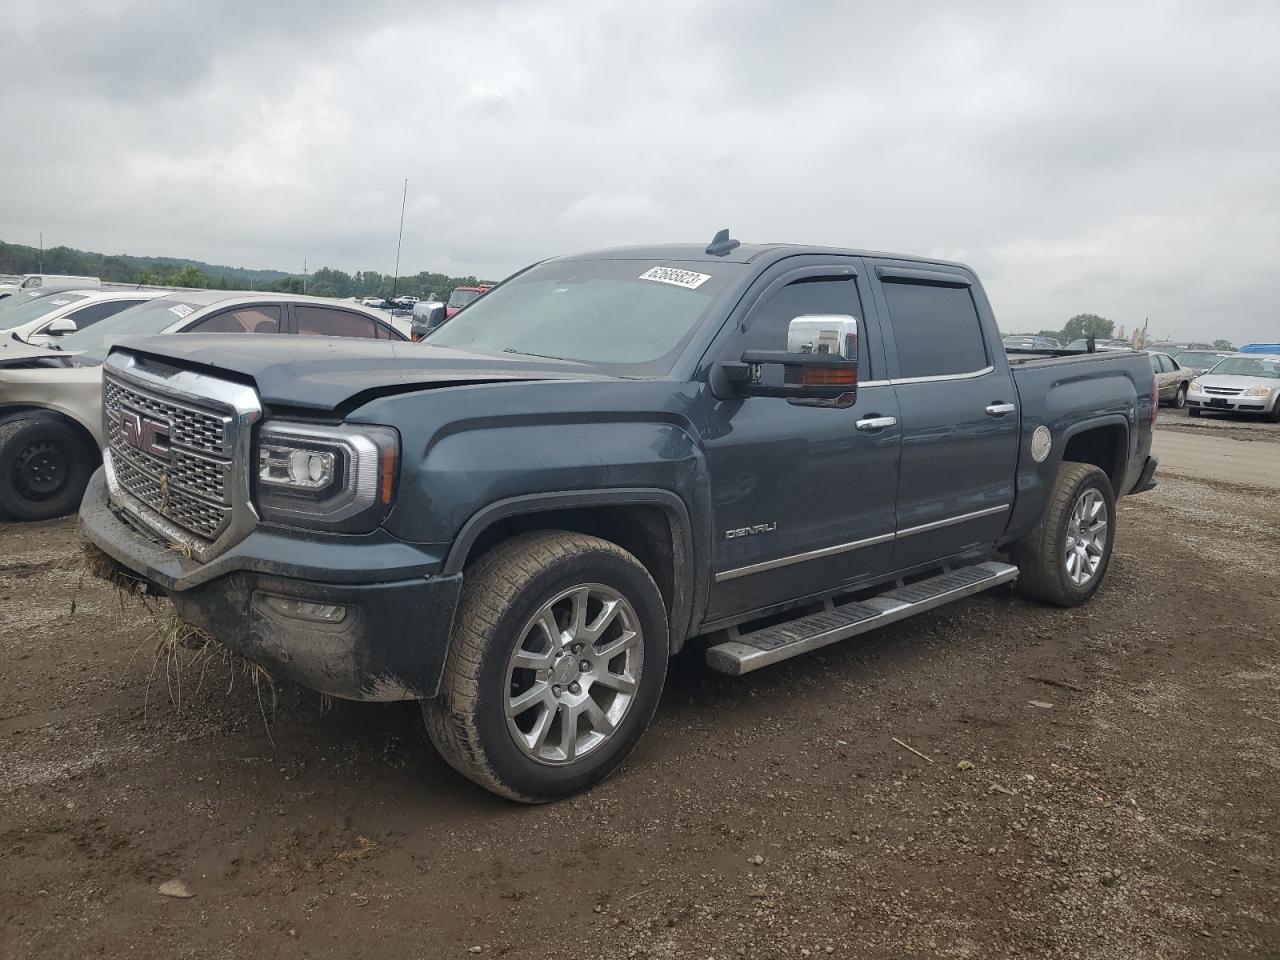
518	520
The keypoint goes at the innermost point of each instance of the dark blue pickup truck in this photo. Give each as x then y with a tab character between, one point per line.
768	448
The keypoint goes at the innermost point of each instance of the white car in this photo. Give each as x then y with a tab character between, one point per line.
42	320
1241	383
373	302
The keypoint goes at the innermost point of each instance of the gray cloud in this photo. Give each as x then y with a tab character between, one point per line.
1111	158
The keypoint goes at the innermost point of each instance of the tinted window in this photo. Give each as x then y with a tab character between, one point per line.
34	309
259	319
936	329
88	316
326	322
767	327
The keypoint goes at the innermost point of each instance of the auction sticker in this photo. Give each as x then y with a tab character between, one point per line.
679	278
182	310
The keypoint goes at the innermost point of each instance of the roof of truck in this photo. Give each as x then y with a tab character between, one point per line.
744	253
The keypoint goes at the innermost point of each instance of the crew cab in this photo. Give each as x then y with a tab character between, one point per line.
754	450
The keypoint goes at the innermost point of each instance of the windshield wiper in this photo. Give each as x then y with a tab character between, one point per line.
526	353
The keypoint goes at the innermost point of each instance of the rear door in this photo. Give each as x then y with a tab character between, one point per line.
802	497
958	408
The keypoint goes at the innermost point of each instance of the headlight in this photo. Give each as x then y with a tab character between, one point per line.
1263	392
1197	386
326	478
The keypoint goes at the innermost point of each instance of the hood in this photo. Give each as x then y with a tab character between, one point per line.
1233	382
325	374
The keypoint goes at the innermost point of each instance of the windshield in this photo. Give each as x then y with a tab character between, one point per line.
1248	367
1197	358
632	316
460	298
30	310
154	316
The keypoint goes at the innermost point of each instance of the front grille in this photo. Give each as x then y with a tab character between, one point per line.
190	485
1224	391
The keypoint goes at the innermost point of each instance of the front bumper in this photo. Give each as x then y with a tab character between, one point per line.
1235	404
389	644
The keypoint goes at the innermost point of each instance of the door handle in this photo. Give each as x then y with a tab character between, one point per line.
876	423
1000	409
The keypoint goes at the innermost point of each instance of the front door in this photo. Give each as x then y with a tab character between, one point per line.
803	499
959	412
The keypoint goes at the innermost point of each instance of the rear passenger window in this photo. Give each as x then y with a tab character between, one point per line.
261	319
324	322
936	329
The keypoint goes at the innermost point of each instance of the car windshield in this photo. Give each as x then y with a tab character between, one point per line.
1196	358
30	310
95	342
460	298
1248	367
630	316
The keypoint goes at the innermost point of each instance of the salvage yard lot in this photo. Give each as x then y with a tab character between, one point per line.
1122	801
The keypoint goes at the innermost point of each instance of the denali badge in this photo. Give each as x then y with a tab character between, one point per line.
751	531
143	433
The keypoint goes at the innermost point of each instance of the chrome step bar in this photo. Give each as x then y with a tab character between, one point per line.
745	652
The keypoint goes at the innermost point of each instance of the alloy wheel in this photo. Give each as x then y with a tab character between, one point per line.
1087	532
574	674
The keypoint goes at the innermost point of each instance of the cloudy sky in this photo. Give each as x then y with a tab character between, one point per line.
1117	158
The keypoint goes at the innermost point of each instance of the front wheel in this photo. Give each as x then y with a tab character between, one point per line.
556	666
1180	398
1066	559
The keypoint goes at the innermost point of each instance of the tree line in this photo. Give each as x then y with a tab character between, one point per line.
172	272
1084	325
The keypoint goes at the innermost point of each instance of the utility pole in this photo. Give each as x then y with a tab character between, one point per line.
304	275
41	270
396	278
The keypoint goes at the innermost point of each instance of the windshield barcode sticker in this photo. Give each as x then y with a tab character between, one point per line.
182	310
679	278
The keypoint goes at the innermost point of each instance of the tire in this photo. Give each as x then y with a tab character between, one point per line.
1044	563
1180	398
1193	412
500	618
1275	411
45	465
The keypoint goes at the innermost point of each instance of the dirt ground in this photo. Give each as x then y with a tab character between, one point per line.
1123	800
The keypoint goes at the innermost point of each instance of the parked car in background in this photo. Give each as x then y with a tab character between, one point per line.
1199	361
51	397
1241	383
1266	348
460	297
1172	379
1083	344
64	312
378	302
1031	343
1175	346
406	302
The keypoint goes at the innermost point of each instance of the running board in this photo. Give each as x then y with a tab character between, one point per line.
751	651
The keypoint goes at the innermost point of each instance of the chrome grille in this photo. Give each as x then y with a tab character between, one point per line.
1224	391
191	486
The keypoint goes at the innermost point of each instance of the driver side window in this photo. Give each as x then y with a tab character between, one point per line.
769	319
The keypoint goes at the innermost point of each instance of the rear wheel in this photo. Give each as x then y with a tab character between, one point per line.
1180	398
1065	561
1275	411
557	662
44	468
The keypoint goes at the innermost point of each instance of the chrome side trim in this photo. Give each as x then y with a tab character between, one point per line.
952	521
854	545
950	376
802	557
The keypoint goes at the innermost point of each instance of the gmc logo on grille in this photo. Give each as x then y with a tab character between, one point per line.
143	433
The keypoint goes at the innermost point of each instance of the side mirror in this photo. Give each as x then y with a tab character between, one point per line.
61	327
424	321
820	363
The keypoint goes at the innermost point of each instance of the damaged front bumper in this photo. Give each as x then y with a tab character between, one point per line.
361	618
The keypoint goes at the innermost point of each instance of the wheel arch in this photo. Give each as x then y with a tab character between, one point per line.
33	412
1103	442
651	523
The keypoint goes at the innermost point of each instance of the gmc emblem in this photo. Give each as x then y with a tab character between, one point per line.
143	433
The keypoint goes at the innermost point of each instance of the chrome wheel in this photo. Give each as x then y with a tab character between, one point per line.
1086	537
574	674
